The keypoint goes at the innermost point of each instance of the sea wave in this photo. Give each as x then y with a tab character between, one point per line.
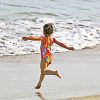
17	5
36	13
73	32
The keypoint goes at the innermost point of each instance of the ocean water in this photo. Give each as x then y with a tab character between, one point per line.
76	23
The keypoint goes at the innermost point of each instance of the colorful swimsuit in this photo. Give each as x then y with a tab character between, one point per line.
45	48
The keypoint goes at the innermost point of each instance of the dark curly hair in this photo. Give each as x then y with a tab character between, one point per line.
48	29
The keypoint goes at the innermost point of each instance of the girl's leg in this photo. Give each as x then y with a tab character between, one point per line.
44	65
49	72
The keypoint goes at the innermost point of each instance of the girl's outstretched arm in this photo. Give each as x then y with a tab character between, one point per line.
63	45
34	38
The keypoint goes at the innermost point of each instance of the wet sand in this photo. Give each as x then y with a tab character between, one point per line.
80	71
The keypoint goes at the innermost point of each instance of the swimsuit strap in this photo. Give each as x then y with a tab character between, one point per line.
47	42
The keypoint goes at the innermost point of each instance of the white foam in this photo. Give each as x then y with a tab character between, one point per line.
79	34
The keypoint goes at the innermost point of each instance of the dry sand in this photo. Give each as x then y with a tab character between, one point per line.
87	98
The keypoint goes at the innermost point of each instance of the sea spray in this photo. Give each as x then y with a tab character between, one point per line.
74	32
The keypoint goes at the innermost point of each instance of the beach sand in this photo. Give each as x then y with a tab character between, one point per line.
80	71
87	98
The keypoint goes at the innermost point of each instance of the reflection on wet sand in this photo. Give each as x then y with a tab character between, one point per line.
40	96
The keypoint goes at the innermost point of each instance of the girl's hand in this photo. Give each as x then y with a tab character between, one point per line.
24	38
70	48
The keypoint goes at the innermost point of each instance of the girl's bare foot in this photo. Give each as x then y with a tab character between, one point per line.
37	87
58	74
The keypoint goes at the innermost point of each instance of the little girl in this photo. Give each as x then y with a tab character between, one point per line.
46	57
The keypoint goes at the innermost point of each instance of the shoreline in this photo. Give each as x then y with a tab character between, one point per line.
89	51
